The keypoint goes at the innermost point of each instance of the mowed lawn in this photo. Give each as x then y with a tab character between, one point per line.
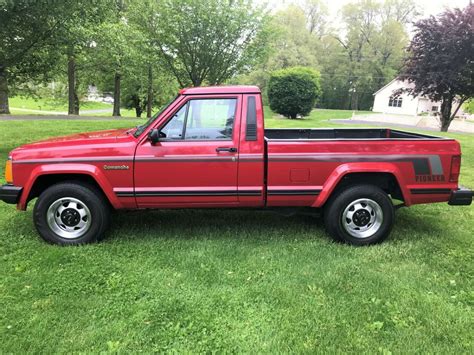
22	105
236	281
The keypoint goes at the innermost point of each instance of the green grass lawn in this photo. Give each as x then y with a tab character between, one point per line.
51	105
21	104
317	118
236	281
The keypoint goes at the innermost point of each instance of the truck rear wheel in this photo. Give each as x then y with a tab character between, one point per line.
359	215
71	213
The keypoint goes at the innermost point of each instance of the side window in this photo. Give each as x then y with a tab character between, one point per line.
202	119
210	119
174	127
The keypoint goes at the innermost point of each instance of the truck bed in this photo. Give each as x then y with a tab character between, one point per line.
302	162
344	133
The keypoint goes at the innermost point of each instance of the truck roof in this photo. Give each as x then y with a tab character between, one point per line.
231	89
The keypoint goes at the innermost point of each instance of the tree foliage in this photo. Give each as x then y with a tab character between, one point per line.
371	51
294	91
116	54
206	41
142	50
356	56
28	34
440	60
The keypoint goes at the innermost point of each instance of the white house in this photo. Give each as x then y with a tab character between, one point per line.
387	101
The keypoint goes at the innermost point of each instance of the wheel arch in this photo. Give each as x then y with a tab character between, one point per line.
385	176
46	176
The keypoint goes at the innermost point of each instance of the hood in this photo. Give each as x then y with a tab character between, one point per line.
73	144
79	138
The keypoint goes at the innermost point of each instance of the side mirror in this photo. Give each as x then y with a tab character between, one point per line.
154	136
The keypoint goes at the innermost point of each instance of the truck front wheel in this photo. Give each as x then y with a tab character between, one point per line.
359	215
71	213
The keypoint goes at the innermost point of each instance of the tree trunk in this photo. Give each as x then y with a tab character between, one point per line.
138	111
446	106
116	111
149	97
4	107
355	101
196	81
73	99
137	106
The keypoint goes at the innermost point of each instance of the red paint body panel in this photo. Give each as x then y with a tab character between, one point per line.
134	173
326	174
83	154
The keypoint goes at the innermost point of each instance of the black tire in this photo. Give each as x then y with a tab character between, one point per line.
84	197
374	222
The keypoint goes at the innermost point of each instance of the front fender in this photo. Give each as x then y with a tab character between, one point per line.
349	168
79	169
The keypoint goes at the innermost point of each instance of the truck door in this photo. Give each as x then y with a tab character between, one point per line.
195	162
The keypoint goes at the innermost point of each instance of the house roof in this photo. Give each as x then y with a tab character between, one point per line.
388	84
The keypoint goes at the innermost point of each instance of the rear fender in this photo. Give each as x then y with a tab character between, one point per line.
78	169
349	168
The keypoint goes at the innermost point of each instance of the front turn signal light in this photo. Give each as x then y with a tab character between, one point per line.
9	172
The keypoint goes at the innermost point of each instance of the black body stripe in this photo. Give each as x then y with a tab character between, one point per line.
187	193
215	193
294	192
430	191
182	160
421	165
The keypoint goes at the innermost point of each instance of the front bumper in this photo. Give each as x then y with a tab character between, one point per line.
461	197
10	193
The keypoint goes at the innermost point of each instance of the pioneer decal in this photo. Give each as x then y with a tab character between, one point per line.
429	178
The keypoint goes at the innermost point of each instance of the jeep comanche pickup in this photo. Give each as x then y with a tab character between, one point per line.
209	149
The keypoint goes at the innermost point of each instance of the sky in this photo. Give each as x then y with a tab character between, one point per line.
427	7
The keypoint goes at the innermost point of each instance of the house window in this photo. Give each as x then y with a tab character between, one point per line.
434	108
395	101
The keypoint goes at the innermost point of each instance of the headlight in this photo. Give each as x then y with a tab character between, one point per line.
8	171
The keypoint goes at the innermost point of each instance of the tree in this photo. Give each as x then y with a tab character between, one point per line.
316	17
28	32
294	91
440	60
84	17
373	45
291	44
206	41
365	54
116	54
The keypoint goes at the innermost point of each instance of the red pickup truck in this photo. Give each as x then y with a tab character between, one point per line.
209	149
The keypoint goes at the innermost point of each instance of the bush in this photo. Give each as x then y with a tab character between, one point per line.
294	91
468	106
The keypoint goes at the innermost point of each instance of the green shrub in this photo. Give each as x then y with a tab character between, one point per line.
468	106
294	91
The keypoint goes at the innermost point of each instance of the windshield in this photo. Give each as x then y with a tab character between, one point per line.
143	127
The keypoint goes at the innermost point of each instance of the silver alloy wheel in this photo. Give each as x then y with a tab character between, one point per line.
69	217
362	218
